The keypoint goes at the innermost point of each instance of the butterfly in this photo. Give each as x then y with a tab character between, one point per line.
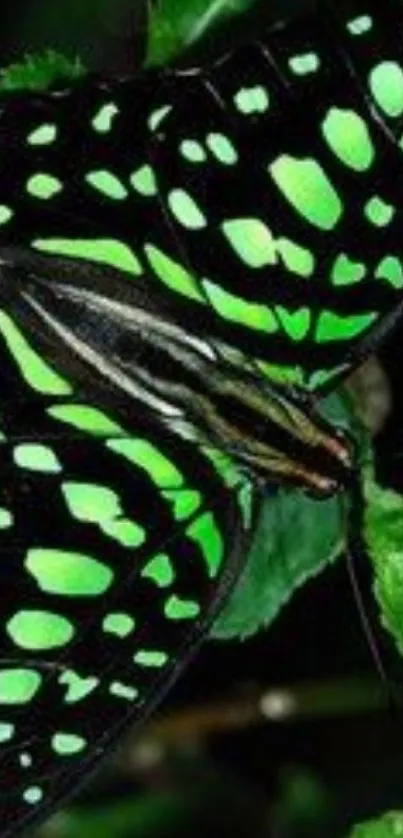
189	260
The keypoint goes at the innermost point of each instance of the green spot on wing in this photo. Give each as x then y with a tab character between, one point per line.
185	502
172	274
6	731
101	505
33	795
305	63
38	630
222	148
333	326
34	371
390	269
144	181
159	570
146	456
106	251
6	518
306	186
43	135
205	533
120	690
186	210
150	658
68	743
157	116
295	323
78	687
252	241
68	573
18	685
85	418
193	151
6	213
36	457
297	259
108	184
119	624
378	211
44	186
347	272
103	120
360	25
386	83
181	609
254	315
252	100
348	136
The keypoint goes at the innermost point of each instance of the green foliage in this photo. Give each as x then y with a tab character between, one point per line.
296	538
276	566
140	817
176	24
173	25
39	72
389	826
304	803
384	537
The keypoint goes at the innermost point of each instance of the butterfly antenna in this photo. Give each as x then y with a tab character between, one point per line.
354	550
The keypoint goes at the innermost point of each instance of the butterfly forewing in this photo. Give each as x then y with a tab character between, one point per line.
233	189
118	546
282	187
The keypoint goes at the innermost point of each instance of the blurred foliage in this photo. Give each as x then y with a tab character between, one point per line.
384	538
177	24
40	72
275	568
99	31
390	826
304	804
140	817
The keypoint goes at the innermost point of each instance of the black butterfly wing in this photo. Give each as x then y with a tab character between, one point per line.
279	172
118	546
261	197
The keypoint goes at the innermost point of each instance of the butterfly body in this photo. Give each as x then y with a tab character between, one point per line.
99	328
168	244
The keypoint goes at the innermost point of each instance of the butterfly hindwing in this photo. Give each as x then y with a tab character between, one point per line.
118	546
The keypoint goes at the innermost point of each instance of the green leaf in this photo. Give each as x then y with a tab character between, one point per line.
39	72
296	538
384	537
389	826
177	24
